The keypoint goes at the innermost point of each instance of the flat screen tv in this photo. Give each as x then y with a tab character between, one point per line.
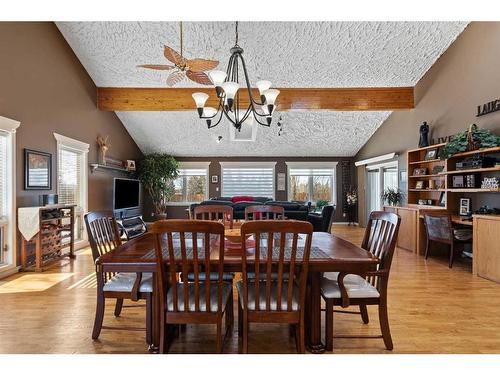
126	194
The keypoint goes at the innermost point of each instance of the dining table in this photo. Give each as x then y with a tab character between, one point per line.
329	253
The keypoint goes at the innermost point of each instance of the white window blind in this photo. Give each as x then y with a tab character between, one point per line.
3	175
69	176
246	179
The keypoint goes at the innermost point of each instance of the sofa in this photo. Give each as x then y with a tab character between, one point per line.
293	210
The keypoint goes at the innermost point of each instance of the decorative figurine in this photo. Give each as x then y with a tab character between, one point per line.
424	135
104	147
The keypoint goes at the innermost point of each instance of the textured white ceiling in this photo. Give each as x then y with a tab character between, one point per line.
304	134
290	54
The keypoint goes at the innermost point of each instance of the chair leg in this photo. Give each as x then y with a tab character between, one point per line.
364	314
149	318
329	325
452	255
163	349
427	248
301	336
229	315
240	319
384	324
99	314
245	332
219	336
118	306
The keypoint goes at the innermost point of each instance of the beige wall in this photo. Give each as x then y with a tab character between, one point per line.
44	86
447	96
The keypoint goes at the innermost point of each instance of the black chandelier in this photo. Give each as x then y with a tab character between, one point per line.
228	88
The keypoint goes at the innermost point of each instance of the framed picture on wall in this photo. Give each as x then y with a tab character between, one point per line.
37	170
215	179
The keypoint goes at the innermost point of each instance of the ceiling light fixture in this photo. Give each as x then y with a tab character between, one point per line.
228	88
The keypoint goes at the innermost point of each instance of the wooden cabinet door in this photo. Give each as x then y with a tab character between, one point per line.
407	237
487	248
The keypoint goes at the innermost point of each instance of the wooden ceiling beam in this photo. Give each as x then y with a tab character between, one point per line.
290	99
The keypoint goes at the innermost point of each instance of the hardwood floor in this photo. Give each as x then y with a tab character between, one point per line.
432	309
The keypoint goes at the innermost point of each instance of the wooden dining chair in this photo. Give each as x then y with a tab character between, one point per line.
264	212
439	228
268	299
215	212
103	235
340	289
221	213
202	301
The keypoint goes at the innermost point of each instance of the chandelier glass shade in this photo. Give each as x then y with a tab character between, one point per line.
229	86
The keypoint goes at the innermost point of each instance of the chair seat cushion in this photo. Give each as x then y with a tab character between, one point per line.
227	292
463	234
274	296
124	282
356	286
214	276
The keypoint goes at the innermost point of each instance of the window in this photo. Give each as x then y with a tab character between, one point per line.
192	184
254	179
378	178
72	178
7	196
311	181
3	194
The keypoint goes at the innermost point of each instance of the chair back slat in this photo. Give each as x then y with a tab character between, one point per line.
264	212
103	234
282	237
190	254
380	239
215	212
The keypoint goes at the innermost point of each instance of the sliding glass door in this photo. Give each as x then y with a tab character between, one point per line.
378	178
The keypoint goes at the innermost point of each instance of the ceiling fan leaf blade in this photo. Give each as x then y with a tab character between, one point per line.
174	78
173	56
156	67
198	77
201	65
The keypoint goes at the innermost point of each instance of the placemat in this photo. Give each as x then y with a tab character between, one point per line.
316	253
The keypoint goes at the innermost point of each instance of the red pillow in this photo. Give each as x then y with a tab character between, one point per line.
242	198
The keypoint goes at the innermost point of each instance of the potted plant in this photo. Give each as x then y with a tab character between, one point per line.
471	139
320	204
157	173
392	196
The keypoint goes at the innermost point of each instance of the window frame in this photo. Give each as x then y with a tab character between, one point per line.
380	168
313	165
194	165
9	223
82	148
248	164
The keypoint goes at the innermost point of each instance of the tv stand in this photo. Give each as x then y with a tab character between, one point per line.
131	226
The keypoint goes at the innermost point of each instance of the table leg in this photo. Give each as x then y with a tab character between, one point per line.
313	325
154	347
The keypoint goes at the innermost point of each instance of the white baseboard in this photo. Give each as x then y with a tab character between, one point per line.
344	223
8	271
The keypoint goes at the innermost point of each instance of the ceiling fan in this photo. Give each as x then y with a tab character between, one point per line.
194	69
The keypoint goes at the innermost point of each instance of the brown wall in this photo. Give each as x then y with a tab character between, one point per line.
215	169
44	86
447	96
